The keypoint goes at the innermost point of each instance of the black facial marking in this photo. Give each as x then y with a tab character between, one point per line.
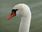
14	10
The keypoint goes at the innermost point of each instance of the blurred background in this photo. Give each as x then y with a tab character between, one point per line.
13	25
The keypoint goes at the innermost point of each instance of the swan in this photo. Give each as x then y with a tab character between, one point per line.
22	10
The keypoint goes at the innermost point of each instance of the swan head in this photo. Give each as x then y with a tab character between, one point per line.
19	10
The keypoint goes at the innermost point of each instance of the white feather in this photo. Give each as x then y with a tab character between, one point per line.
25	13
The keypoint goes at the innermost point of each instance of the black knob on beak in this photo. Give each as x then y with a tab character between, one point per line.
14	10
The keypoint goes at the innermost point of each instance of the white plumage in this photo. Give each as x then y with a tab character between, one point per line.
25	13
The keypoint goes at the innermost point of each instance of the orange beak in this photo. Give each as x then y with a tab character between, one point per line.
13	14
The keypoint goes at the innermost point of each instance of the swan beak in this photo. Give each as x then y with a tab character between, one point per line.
13	14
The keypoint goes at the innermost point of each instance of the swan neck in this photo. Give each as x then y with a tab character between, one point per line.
24	24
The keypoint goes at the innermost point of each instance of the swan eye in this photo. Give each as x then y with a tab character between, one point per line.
14	10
